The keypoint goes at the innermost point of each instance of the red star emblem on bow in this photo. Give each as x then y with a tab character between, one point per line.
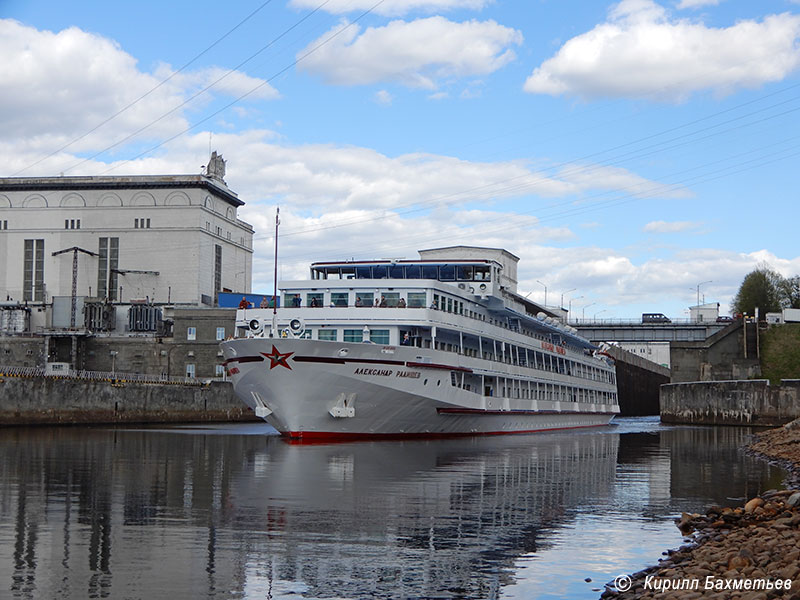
277	358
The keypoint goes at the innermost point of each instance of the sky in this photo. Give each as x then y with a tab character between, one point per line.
636	155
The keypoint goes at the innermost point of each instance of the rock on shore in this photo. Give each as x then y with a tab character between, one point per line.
750	553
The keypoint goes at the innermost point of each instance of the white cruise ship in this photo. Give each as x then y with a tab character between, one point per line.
438	346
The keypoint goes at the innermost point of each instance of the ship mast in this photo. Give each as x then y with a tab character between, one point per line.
273	332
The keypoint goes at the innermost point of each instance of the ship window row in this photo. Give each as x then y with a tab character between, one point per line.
527	389
441	272
492	350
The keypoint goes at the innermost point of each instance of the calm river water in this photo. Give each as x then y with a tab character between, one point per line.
233	511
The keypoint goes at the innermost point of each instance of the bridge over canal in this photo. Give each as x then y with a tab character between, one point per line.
619	330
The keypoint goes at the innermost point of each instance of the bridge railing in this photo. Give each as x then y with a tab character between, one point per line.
630	322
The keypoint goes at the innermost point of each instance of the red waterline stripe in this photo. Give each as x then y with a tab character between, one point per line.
321	437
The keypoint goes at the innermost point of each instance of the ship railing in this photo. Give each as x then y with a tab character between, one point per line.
109	376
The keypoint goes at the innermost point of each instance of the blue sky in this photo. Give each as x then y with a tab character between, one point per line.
626	151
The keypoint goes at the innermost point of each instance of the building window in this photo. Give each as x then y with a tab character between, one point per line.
72	223
208	226
191	333
217	268
327	334
353	335
219	231
3	224
147	225
190	369
136	223
220	333
33	271
107	264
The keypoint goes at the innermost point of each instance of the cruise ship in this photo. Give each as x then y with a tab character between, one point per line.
438	346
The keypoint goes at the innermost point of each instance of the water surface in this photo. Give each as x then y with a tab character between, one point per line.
234	511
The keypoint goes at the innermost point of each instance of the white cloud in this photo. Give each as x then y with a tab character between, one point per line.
67	83
696	3
670	227
392	7
383	97
231	83
415	54
639	52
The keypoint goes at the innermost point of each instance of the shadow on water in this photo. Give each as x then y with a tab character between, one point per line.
228	511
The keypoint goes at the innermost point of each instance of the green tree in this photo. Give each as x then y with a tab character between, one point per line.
760	289
790	292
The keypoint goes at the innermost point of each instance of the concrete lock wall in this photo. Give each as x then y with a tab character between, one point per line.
731	402
47	400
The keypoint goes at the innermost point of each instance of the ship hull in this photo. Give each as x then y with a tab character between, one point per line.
319	390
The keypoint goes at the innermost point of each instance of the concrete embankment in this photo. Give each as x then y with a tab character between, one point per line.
751	402
751	552
48	400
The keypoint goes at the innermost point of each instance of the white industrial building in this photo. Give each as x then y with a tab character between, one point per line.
161	239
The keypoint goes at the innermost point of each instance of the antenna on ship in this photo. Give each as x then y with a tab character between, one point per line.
273	332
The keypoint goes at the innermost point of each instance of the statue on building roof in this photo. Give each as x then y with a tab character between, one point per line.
216	167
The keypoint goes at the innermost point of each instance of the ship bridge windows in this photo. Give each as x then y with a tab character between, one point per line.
430	272
464	272
447	273
440	272
413	272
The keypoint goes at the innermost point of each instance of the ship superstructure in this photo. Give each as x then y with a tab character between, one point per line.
442	345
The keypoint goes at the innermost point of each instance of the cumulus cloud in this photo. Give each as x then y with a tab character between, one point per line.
224	81
641	52
392	7
670	227
696	3
67	83
414	54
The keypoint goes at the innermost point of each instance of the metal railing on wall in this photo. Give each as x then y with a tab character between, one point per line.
112	377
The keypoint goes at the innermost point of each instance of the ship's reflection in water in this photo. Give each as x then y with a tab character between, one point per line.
229	513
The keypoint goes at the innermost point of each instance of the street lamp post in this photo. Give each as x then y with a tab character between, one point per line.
583	313
570	303
562	297
545	292
599	312
698	290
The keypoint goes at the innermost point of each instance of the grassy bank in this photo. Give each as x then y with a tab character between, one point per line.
780	352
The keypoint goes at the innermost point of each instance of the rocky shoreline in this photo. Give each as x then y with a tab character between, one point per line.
749	553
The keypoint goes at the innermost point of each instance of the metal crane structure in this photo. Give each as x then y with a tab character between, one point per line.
74	251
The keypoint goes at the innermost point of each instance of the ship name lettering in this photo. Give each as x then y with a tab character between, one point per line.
378	372
411	374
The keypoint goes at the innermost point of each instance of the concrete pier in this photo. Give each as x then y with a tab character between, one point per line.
49	400
744	402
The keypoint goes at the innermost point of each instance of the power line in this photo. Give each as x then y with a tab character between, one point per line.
147	93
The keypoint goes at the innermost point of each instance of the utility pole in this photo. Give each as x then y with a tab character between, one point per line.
74	251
